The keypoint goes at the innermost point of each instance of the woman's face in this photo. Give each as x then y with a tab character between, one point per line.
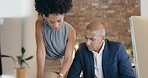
55	20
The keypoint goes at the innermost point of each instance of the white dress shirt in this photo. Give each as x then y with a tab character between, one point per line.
98	62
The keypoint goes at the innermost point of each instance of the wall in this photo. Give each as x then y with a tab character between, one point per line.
11	37
17	32
29	40
144	10
15	11
0	52
114	13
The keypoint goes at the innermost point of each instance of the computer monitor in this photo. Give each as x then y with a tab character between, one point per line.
139	35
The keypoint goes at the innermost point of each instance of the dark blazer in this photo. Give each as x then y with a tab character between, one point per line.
115	62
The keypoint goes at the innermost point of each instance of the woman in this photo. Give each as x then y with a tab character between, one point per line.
55	38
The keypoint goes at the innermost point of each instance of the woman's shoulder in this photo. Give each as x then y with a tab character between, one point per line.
71	28
39	23
40	20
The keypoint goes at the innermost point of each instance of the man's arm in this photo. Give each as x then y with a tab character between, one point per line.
125	67
76	67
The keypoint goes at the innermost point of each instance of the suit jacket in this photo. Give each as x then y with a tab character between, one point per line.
115	62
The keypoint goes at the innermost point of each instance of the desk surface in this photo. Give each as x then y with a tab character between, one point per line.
7	76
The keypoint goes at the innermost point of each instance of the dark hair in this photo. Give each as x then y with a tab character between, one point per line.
46	7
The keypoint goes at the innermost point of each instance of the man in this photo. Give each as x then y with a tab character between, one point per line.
99	57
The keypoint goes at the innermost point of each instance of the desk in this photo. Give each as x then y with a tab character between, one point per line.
7	76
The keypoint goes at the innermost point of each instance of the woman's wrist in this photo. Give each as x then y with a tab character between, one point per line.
61	75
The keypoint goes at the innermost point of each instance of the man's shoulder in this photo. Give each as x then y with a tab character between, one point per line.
82	45
82	48
112	43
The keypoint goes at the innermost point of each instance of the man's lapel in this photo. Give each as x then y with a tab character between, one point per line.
91	61
105	56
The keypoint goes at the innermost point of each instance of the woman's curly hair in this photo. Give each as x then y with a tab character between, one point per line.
46	7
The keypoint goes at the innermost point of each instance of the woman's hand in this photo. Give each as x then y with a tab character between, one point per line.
59	75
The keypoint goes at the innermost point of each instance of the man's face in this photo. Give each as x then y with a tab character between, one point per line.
94	40
55	20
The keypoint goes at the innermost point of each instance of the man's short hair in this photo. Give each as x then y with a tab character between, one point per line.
96	26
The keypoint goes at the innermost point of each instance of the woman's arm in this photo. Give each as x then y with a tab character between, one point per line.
68	52
40	52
